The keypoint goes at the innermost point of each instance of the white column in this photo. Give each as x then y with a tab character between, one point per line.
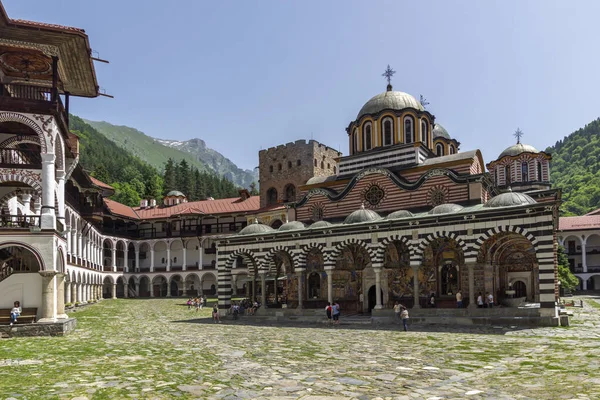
329	285
300	277
114	257
137	260
26	199
60	297
114	290
184	268
583	254
263	287
584	284
68	238
68	292
415	268
48	311
378	303
151	259
48	219
168	288
60	196
201	253
79	245
168	256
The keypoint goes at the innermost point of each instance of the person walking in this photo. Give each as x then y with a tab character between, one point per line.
328	312
215	315
490	300
480	301
336	313
404	316
397	311
459	300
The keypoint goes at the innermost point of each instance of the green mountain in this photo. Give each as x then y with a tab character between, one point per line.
575	168
157	152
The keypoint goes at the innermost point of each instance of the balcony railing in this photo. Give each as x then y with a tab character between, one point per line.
20	158
18	221
35	99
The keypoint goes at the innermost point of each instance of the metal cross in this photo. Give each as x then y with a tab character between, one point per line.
518	134
389	72
423	101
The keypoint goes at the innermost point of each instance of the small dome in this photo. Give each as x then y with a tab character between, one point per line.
362	215
316	179
517	149
320	224
399	214
440	131
255	228
175	193
389	100
447	208
509	199
292	226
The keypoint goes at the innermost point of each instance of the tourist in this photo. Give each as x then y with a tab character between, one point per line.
189	303
490	300
432	300
215	314
201	302
328	312
235	311
397	310
459	301
404	316
480	301
336	313
15	313
197	302
361	299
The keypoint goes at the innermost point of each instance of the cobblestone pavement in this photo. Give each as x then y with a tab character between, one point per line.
158	349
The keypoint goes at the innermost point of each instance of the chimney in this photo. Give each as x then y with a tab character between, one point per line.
143	203
152	202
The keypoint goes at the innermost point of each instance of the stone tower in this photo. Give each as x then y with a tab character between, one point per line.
283	168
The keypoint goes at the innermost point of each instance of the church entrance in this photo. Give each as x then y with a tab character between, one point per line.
372	297
520	289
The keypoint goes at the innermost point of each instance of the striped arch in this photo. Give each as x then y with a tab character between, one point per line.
337	251
32	249
426	241
22	119
11	142
19	177
394	238
269	258
243	253
15	192
505	229
301	256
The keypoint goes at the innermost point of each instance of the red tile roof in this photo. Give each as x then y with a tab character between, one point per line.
579	223
117	208
100	183
595	212
46	25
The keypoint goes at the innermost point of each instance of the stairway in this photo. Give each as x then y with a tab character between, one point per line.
6	265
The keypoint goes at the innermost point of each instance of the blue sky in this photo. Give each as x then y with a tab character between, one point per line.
246	75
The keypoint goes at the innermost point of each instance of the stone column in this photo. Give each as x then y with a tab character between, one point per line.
234	285
151	259
48	312
151	289
125	289
184	267
137	289
415	268
583	254
26	198
76	293
263	286
48	219
201	255
114	290
168	288
168	256
329	285
378	302
471	270
73	292
253	288
60	297
300	277
114	257
137	261
68	292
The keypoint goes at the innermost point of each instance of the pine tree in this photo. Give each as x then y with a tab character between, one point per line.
170	177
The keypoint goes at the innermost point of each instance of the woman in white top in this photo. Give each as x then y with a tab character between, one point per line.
480	300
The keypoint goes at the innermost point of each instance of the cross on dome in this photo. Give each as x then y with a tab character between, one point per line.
518	134
388	73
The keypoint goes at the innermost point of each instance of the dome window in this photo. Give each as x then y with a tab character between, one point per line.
452	149
507	179
539	171
408	130
388	130
524	172
355	142
424	132
439	149
367	137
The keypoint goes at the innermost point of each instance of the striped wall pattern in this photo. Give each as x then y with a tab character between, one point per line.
538	229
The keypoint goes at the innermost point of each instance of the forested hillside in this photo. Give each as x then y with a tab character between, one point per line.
134	179
575	168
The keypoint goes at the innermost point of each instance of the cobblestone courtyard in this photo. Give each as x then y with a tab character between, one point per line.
157	349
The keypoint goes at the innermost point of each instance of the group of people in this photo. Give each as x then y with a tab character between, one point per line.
401	313
196	302
333	313
487	302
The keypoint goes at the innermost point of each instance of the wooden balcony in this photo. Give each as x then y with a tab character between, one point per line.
16	158
35	100
19	221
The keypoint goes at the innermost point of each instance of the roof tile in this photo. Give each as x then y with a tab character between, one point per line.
579	223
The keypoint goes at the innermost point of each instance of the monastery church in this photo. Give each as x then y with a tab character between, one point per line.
405	215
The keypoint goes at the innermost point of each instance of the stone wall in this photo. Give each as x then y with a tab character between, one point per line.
293	164
60	328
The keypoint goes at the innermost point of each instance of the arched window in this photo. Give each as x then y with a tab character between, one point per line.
367	137
524	172
279	166
355	141
290	193
388	132
439	149
424	132
289	165
334	170
328	166
452	149
315	162
539	171
298	163
408	130
271	196
496	175
322	165
271	168
507	177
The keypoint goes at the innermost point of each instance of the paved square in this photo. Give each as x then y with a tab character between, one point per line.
157	349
